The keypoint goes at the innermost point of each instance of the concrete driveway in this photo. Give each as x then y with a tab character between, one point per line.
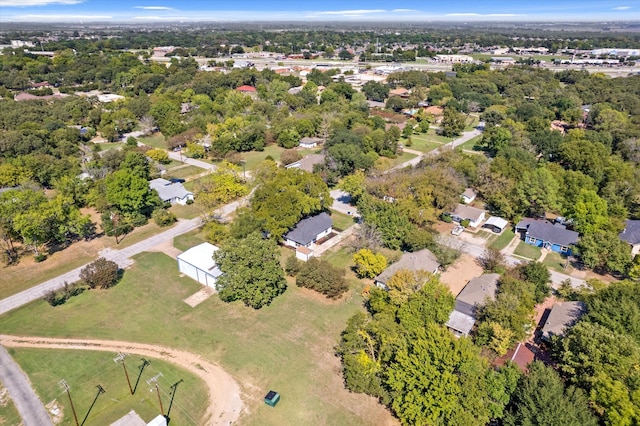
341	203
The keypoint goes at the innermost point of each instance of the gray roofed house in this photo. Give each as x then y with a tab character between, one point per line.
555	237
563	315
473	295
468	196
309	143
420	260
631	234
171	192
309	230
307	162
473	215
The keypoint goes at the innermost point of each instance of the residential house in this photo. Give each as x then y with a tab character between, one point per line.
468	196
540	233
309	230
309	143
496	224
249	90
563	315
171	192
23	96
422	260
376	104
41	85
400	91
473	215
473	295
631	234
307	162
198	263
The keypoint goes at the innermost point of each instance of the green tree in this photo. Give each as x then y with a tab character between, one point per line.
538	274
375	91
159	155
369	264
542	399
537	192
222	186
452	123
496	138
589	212
101	273
323	277
130	193
251	271
604	251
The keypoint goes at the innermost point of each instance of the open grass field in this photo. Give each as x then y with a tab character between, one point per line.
110	145
253	158
384	163
341	221
184	172
502	240
186	212
157	140
84	370
421	143
185	241
528	251
8	413
471	122
287	346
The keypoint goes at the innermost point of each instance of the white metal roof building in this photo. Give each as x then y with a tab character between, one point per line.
198	263
496	223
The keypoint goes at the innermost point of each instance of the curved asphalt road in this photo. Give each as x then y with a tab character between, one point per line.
25	399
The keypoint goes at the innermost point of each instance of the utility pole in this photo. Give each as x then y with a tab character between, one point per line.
119	358
65	386
174	388
154	380
100	392
144	364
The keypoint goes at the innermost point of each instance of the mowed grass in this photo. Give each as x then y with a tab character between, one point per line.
9	415
472	144
557	262
528	251
288	346
384	163
421	144
84	370
253	158
188	211
157	140
502	240
185	241
184	172
341	221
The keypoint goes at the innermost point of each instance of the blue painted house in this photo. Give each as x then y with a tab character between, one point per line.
554	237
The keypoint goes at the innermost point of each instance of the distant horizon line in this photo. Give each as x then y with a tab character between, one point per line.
152	21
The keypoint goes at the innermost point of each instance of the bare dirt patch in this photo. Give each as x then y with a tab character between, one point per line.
55	412
225	403
199	297
460	273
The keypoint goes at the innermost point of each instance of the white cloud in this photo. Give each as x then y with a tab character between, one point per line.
62	18
404	10
162	18
25	3
350	12
622	8
153	7
488	15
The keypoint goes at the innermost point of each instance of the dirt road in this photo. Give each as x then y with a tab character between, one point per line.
225	403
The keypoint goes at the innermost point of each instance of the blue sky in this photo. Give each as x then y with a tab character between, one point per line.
327	10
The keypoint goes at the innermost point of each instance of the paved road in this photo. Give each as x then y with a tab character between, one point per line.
341	202
25	399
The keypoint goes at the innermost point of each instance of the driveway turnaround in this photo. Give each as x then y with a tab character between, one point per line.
25	399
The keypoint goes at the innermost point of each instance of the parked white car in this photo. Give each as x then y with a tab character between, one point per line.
457	230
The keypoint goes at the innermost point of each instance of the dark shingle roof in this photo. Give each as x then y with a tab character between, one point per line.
307	229
419	260
475	293
562	316
631	233
552	233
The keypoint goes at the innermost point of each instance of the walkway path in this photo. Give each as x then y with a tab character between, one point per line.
225	403
318	250
25	399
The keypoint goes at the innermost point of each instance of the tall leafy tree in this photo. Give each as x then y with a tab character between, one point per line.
251	271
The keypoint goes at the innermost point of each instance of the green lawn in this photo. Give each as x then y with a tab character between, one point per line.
384	163
341	221
8	413
157	140
186	212
557	262
185	241
84	370
472	144
421	143
503	240
528	251
471	123
110	145
253	158
287	346
184	172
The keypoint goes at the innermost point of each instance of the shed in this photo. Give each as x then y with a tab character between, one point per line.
303	253
309	143
563	315
271	398
468	196
496	224
198	263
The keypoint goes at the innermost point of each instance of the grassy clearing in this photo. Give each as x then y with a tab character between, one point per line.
186	212
341	221
253	158
157	140
106	146
557	262
9	415
502	240
184	172
185	241
384	163
528	251
471	123
287	346
472	144
84	370
421	143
